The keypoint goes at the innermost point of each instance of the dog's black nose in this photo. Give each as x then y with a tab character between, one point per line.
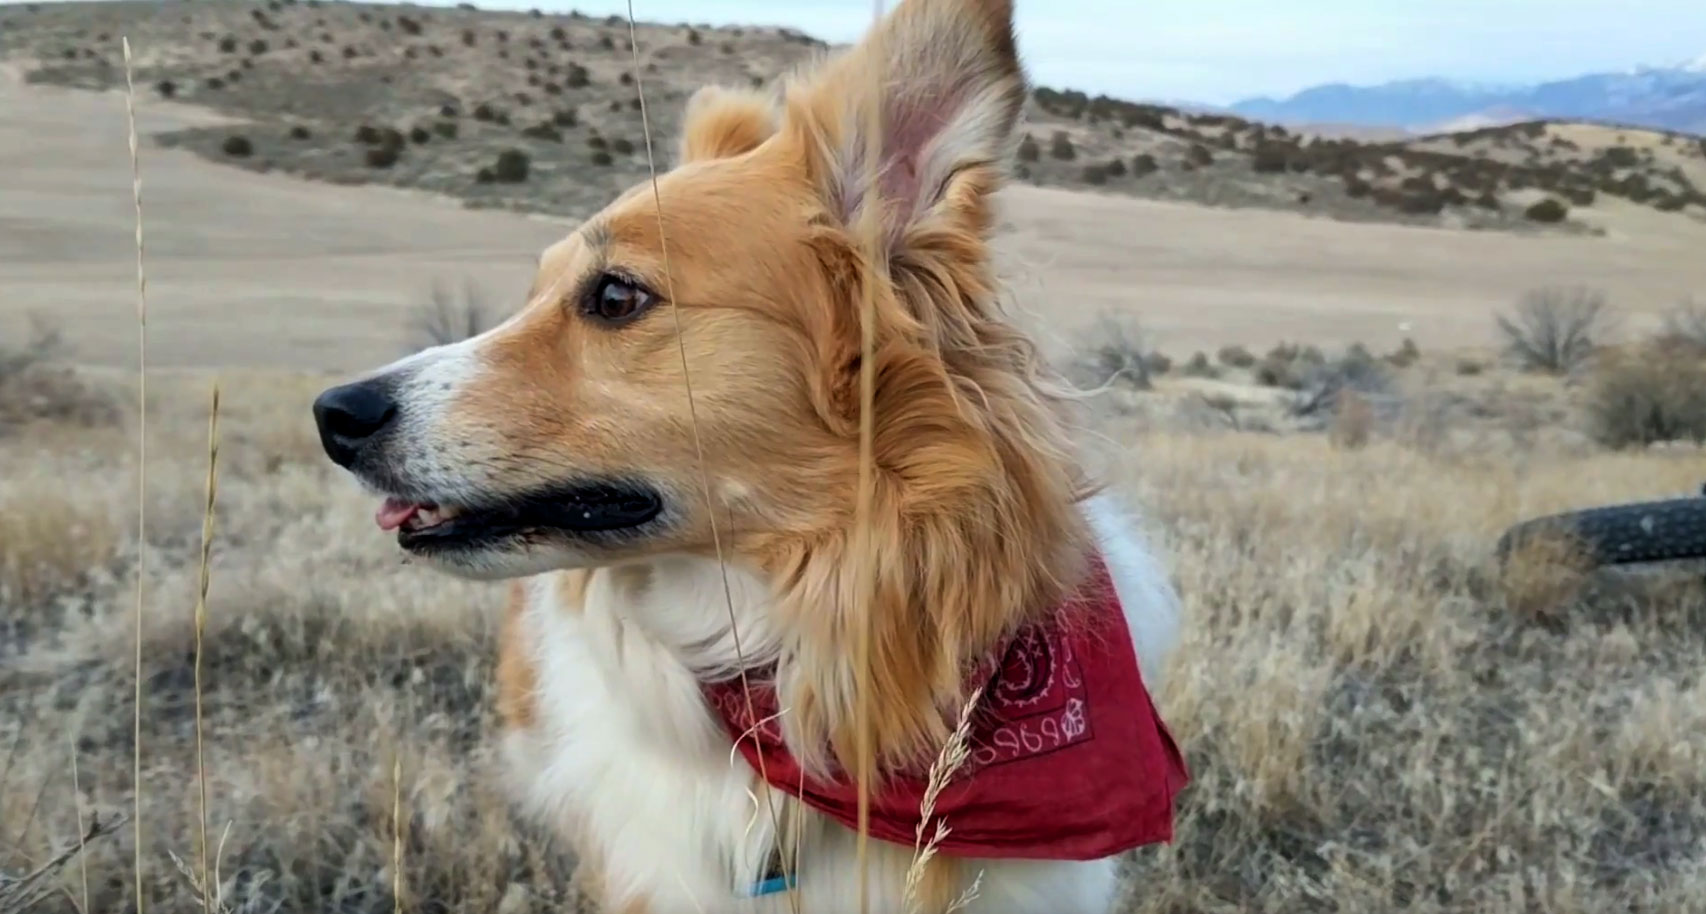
349	417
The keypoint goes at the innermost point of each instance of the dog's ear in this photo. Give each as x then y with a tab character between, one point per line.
935	91
721	123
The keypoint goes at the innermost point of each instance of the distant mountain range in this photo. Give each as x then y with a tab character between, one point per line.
1669	98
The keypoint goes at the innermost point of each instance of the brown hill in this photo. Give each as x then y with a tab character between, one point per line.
541	112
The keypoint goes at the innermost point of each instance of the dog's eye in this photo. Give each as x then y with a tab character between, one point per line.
616	300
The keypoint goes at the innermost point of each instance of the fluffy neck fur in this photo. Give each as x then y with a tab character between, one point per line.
974	520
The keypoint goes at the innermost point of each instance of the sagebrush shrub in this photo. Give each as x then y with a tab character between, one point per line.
1289	365
1236	357
544	130
1028	149
1554	330
1549	210
511	166
1116	352
1198	366
1405	355
1323	383
1270	158
1655	395
1060	146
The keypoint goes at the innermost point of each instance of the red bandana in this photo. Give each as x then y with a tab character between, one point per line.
1069	759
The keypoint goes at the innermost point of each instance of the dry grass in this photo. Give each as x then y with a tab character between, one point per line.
1373	729
36	385
33	889
1544	573
1353	421
1373	724
1653	394
142	492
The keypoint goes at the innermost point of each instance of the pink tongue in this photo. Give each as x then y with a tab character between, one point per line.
394	513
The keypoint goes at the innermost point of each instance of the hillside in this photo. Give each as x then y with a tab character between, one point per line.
540	113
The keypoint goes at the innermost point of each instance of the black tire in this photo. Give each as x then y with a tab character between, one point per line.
1651	531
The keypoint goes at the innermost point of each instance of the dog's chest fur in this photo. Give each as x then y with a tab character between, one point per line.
614	747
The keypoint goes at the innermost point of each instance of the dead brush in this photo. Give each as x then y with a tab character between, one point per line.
1353	422
1347	395
1555	330
1116	353
449	316
30	890
50	544
1685	324
1653	395
1541	575
35	386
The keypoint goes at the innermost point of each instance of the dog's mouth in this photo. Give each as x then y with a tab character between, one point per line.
424	526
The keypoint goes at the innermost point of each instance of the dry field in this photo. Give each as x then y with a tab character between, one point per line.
1376	722
1372	724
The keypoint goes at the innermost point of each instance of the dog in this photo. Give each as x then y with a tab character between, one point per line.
663	451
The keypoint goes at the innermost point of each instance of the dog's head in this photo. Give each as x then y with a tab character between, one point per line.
695	355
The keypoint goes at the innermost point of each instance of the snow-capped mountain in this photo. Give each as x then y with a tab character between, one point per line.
1671	98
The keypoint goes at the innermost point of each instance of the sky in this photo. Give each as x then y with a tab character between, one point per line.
1218	51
